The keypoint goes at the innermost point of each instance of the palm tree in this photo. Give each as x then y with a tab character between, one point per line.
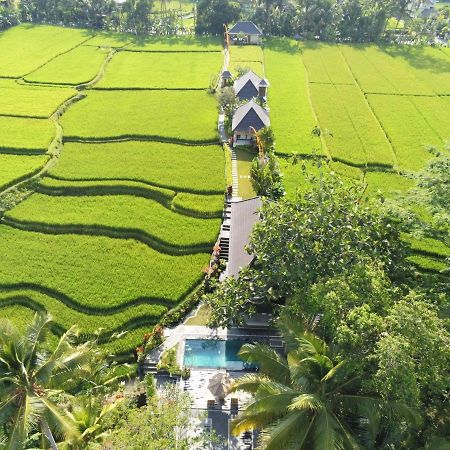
304	400
32	380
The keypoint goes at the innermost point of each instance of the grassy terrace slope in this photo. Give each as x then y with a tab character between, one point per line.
80	65
31	101
104	273
26	47
183	116
128	215
25	135
172	166
291	113
118	232
141	70
13	168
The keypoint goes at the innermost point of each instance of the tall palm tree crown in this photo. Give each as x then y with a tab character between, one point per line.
31	380
305	401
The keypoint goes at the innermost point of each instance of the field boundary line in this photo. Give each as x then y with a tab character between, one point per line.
394	153
96	230
156	185
22	77
58	329
139	192
111	89
138	137
98	310
311	105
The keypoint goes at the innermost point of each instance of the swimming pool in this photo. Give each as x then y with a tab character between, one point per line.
213	353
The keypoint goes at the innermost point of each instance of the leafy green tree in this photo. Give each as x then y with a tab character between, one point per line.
137	13
307	401
163	424
31	381
324	233
8	15
412	357
212	15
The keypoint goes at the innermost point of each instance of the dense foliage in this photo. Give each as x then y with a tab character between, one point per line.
337	265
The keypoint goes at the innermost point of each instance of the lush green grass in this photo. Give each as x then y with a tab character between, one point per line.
110	39
428	264
202	316
294	178
65	316
96	271
388	184
119	212
355	136
428	245
325	63
430	66
161	70
436	112
26	47
197	169
177	44
31	101
378	72
208	205
246	53
244	163
15	167
406	128
197	205
78	66
291	115
33	135
245	66
176	115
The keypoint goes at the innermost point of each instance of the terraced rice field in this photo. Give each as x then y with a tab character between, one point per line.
78	66
378	109
248	57
180	116
116	233
144	70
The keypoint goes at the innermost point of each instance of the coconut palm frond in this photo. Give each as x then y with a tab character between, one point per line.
59	421
275	404
326	433
268	360
35	335
292	428
307	402
249	383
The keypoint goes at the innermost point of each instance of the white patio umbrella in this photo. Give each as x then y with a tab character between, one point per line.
219	385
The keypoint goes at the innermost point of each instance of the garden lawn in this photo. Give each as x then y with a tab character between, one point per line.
184	116
325	64
378	72
244	164
291	115
30	135
406	128
244	66
354	135
196	169
124	213
161	70
78	66
26	47
31	101
246	53
14	168
96	271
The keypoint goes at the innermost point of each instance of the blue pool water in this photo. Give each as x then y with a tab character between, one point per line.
213	353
